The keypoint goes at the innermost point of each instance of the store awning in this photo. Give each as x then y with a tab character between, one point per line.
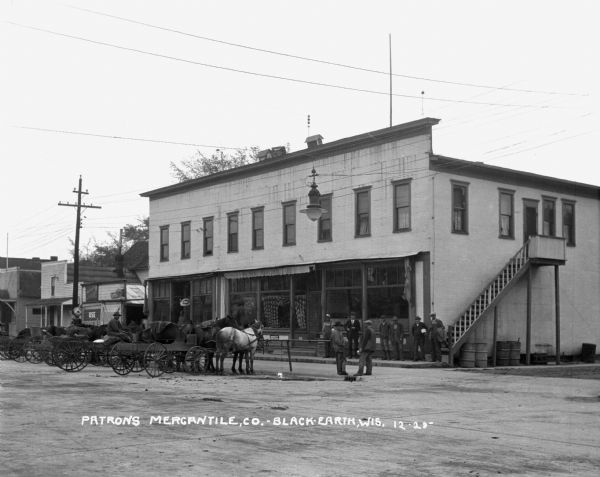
270	272
51	302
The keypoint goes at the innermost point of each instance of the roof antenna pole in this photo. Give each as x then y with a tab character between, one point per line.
390	42
308	125
422	104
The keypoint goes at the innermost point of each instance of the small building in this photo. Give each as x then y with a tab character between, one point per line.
54	307
20	280
498	254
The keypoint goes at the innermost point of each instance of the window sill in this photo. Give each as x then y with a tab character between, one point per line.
458	232
506	237
399	231
362	236
324	240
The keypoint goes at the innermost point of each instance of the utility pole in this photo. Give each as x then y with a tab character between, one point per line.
79	205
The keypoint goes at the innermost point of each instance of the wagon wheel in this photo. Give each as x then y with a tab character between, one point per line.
99	354
4	341
33	352
16	350
194	360
156	359
138	362
120	359
48	356
172	361
72	356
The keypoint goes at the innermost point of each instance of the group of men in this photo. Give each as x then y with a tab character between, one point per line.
363	350
436	334
362	345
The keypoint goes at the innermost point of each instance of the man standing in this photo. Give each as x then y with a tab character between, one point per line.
366	350
437	335
385	334
326	335
338	343
352	331
418	331
397	338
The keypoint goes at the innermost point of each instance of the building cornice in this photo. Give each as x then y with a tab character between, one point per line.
479	170
373	138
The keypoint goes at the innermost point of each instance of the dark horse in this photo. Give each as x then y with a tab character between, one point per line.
206	333
244	341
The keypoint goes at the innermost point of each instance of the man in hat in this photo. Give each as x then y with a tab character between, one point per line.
338	343
437	336
353	332
418	331
397	338
115	328
366	350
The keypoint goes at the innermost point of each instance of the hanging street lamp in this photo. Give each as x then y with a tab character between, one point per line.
313	210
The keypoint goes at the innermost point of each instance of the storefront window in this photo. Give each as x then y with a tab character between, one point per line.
202	291
160	300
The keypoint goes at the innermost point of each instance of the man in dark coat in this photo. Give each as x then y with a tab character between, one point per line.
338	343
352	332
437	336
366	350
397	338
385	335
418	331
326	335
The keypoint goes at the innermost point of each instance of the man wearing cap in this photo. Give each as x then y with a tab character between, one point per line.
418	331
366	350
338	343
437	336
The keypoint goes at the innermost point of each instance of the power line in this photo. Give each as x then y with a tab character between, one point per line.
128	138
265	75
315	60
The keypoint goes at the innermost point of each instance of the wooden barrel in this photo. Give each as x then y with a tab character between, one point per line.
502	353
467	356
481	355
514	356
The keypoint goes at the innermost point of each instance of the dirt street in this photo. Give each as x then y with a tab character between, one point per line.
413	422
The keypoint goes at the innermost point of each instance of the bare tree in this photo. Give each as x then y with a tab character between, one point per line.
202	165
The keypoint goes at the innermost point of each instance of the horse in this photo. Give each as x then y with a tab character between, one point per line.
232	339
206	333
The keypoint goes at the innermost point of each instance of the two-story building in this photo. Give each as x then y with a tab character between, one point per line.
20	280
102	291
403	232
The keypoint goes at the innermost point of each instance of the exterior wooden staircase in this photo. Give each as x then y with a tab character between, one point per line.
487	299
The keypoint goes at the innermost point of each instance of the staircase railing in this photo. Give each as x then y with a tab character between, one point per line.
489	296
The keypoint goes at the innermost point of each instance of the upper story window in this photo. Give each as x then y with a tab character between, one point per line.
549	217
568	222
232	232
258	228
402	206
53	282
324	228
164	243
208	235
289	223
507	212
185	240
460	200
363	213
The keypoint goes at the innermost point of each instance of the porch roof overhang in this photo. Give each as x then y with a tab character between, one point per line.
51	302
269	272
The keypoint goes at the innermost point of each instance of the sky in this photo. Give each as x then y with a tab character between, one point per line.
115	91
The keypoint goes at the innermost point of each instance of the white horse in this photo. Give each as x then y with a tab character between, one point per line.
244	341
